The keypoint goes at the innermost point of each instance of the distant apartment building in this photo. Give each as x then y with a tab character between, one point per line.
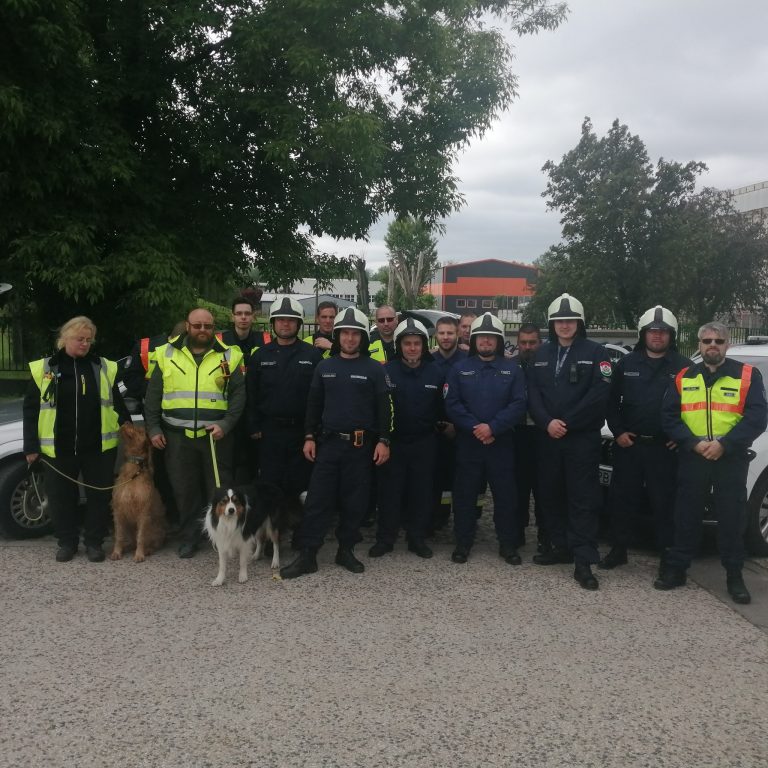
488	285
751	200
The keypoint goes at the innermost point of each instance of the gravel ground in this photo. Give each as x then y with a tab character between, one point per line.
414	663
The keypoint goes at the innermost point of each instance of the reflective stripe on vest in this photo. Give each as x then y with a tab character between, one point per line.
144	352
194	397
714	412
105	374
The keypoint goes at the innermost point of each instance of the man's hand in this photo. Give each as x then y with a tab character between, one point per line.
309	450
380	454
158	441
216	431
711	450
483	433
626	439
322	343
557	429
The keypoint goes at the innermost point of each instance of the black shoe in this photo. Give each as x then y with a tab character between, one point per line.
95	553
419	547
379	549
509	554
583	574
553	557
305	563
670	578
187	549
737	589
460	554
345	557
616	557
65	553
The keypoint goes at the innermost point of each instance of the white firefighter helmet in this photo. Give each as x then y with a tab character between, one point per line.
486	323
411	327
285	306
657	319
353	319
565	307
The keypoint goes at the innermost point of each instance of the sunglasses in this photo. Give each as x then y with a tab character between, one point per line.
386	320
707	342
198	326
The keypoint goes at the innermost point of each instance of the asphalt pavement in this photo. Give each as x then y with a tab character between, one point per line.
414	663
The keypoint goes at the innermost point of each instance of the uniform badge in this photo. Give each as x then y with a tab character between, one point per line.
606	369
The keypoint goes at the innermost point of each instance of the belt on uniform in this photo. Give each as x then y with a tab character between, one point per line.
358	437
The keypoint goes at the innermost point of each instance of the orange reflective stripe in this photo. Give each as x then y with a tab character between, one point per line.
746	379
144	354
218	336
267	337
698	406
679	381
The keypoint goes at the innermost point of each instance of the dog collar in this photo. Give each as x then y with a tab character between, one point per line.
140	460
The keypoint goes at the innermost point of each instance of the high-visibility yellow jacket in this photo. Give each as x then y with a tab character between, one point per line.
714	412
104	372
195	396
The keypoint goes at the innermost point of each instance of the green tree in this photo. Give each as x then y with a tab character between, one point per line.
412	253
634	235
146	145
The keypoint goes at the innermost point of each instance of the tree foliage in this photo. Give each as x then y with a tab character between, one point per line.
637	234
412	254
144	145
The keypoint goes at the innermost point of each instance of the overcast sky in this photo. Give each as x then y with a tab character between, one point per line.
690	77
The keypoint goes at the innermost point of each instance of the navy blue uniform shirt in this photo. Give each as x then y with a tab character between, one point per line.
347	394
277	382
417	397
445	364
638	388
578	394
480	392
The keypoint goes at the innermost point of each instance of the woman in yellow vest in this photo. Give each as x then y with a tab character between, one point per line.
72	411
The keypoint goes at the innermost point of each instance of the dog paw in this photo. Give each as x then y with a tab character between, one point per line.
116	555
242	578
217	582
137	558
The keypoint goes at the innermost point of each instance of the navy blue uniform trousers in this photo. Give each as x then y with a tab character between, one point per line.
341	476
480	464
569	489
727	477
644	470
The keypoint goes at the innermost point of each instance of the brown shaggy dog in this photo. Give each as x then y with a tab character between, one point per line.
138	510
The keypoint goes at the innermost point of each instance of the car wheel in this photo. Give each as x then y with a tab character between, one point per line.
756	538
22	515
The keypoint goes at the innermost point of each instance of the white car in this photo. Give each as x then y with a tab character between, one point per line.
754	352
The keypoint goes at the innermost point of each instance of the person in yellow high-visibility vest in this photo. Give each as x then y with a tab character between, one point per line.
713	410
72	411
197	389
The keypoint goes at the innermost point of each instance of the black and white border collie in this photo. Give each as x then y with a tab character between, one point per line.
240	519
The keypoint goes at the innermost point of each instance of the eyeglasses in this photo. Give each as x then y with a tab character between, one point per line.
386	319
707	342
198	326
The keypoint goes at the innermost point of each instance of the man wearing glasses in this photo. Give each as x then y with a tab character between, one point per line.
713	411
242	334
383	337
196	392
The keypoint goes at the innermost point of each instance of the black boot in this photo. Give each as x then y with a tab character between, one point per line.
670	577
419	547
583	574
345	557
460	554
509	554
305	563
65	552
616	557
379	549
737	589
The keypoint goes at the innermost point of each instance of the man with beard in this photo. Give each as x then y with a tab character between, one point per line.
196	392
346	433
644	458
485	399
713	411
322	338
277	384
568	389
405	481
445	356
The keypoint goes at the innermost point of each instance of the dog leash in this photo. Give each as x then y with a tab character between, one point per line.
213	461
81	483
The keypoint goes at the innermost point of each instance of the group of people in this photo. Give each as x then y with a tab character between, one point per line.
377	420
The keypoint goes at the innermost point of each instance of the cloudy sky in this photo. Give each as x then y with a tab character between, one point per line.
690	77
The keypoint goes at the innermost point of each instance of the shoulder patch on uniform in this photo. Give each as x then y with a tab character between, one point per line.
606	369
